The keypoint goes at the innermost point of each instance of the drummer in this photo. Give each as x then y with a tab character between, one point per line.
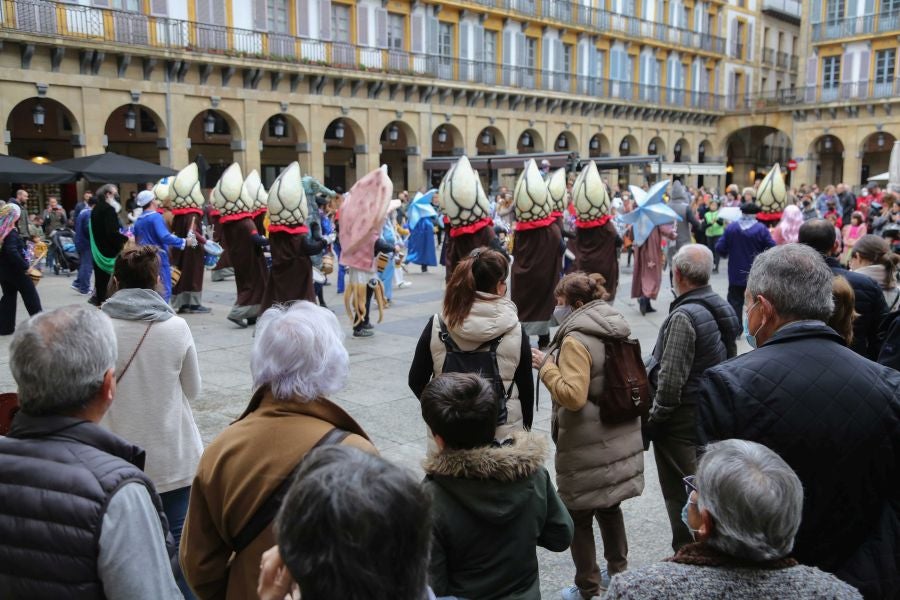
150	229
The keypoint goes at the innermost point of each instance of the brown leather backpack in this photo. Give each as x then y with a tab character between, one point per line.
627	391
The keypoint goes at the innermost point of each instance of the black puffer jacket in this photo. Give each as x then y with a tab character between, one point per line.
869	304
835	418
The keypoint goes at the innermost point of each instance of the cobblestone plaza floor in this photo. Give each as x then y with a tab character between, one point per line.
377	394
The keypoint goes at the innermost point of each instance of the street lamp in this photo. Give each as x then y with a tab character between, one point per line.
561	142
278	127
526	139
442	136
393	133
339	130
595	143
651	149
623	147
38	115
880	140
678	148
209	123
130	119
828	142
486	138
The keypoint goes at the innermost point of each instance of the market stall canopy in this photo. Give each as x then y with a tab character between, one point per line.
18	170
114	168
880	177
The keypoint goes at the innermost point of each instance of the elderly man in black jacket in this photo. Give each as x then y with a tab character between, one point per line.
831	414
699	333
820	235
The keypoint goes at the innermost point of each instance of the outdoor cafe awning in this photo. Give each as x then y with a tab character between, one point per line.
18	170
497	162
114	168
689	168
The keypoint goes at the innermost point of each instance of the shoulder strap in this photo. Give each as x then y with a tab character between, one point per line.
265	514
136	348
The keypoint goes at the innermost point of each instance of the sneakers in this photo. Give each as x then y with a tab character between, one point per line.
239	322
573	593
199	309
404	284
362	333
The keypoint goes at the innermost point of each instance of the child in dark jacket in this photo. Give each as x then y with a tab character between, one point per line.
493	504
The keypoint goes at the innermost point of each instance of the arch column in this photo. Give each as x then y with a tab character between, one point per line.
91	127
251	125
179	135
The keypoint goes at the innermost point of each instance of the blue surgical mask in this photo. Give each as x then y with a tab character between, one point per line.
684	518
751	338
561	313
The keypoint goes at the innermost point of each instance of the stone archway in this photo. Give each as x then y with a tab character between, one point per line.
598	146
490	141
211	133
529	142
343	137
397	139
826	155
875	152
565	142
279	139
753	150
134	130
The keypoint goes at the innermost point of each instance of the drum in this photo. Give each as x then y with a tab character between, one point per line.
212	253
318	276
381	261
176	275
327	264
35	275
398	259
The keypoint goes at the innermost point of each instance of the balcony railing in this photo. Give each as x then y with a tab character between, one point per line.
768	56
790	8
833	29
843	92
783	60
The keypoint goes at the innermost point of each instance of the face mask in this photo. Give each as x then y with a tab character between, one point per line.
560	313
684	518
751	338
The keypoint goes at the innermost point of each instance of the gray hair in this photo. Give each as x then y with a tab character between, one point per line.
795	279
299	352
694	262
59	358
754	497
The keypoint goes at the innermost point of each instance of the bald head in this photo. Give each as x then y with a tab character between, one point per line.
694	263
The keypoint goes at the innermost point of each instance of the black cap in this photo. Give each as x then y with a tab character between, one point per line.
749	208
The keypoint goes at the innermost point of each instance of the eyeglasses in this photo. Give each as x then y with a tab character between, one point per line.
689	485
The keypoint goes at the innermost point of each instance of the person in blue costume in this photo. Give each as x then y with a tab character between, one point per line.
421	216
389	235
150	229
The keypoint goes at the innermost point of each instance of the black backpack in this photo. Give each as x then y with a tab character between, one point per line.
481	361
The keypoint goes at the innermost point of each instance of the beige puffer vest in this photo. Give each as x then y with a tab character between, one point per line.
491	317
597	465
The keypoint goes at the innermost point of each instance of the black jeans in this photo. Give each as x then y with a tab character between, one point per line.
736	299
12	286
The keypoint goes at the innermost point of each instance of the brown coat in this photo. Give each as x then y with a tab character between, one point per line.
597	464
237	472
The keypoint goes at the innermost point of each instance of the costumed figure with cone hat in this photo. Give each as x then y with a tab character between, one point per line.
223	268
468	212
650	220
259	199
596	238
771	196
363	212
150	230
537	258
187	216
232	198
291	275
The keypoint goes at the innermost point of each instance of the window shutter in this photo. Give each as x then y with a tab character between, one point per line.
434	31
303	24
260	23
545	55
478	32
203	12
103	3
507	49
218	12
465	37
749	41
418	33
362	25
325	19
381	36
615	65
560	57
845	66
863	76
521	50
159	8
815	14
734	36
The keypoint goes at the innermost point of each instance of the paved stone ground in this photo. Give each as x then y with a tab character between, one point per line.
377	394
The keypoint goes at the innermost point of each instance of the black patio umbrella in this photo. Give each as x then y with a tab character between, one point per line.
17	170
114	168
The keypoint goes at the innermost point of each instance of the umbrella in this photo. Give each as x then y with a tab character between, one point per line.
112	167
420	208
894	169
17	170
880	177
650	211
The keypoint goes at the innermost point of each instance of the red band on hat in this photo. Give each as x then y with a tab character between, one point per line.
556	214
768	217
470	229
187	211
540	223
235	217
593	223
260	211
288	229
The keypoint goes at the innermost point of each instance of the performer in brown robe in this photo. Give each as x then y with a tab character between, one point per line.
187	293
595	252
460	244
250	270
648	263
535	272
290	277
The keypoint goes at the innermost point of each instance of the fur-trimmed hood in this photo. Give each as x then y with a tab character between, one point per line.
492	482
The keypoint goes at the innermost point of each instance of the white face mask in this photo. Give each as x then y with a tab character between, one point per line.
561	313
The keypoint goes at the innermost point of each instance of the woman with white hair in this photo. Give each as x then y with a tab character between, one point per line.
744	508
298	360
14	278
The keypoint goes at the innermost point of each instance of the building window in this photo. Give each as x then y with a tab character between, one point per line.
885	62
531	52
445	40
277	16
340	23
834	10
396	25
129	5
490	47
567	58
831	71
